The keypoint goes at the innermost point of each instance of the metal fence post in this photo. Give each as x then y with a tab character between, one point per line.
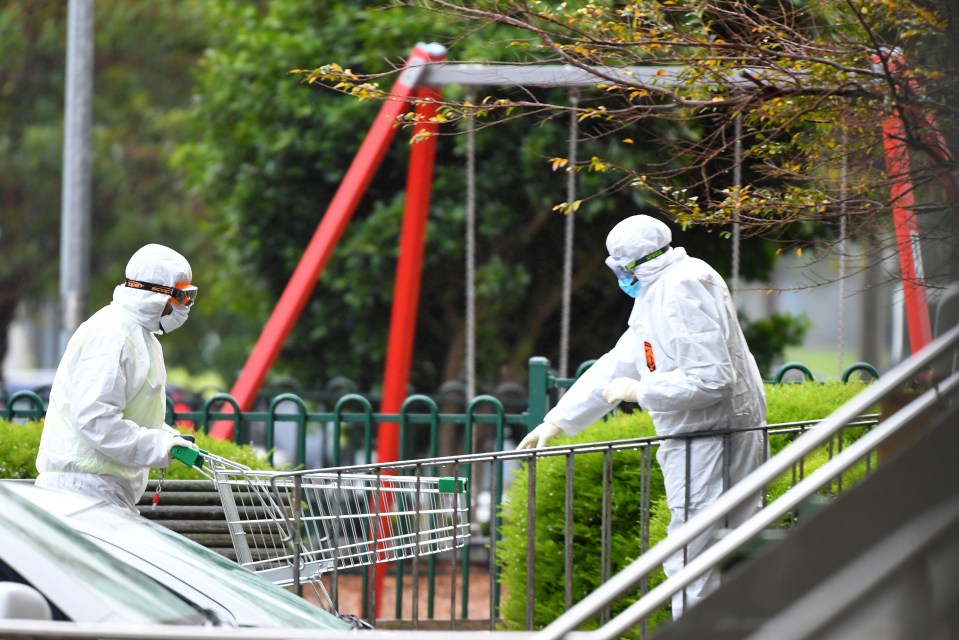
239	429
10	412
300	420
538	378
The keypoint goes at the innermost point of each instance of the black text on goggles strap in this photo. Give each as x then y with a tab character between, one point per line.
646	258
182	296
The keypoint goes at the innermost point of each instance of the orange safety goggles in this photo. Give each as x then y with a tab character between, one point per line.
182	292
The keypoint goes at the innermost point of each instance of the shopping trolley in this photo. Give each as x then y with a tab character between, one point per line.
289	526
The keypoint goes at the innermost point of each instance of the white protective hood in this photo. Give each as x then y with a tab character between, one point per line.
157	264
637	236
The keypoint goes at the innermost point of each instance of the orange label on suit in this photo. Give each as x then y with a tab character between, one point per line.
650	359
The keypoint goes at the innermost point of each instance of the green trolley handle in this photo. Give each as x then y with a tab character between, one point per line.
189	457
452	485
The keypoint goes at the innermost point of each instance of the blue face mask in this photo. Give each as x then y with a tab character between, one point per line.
629	287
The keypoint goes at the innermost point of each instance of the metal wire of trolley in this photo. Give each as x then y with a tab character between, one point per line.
289	528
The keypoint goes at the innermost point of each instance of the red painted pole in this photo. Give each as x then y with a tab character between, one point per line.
327	234
907	233
903	214
406	291
409	268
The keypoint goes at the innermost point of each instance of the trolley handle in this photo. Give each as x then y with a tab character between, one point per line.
189	457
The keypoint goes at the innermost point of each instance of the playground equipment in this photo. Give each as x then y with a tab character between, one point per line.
418	86
894	137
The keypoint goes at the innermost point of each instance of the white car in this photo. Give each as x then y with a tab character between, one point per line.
49	572
228	592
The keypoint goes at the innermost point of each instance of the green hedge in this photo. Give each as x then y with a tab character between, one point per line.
19	444
18	449
786	403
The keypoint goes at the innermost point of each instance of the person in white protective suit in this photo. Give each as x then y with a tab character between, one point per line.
683	359
104	427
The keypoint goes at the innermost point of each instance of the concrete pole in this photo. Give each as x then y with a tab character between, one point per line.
738	182
75	204
570	228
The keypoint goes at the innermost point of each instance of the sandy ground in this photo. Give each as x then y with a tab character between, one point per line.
446	585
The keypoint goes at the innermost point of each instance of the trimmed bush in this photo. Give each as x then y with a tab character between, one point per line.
19	444
18	448
786	403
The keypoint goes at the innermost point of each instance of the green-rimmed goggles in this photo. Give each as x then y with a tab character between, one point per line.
182	292
623	267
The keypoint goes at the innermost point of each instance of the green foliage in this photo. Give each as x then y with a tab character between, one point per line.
205	383
550	580
786	94
271	155
588	487
786	403
815	460
798	402
144	52
18	448
19	444
768	338
794	402
274	148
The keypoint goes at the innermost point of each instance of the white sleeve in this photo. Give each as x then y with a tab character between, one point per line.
99	394
696	335
583	404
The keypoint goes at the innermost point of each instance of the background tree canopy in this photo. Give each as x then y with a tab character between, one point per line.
257	153
806	80
798	87
274	148
142	59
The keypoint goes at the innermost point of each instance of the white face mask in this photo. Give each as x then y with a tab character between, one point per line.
174	320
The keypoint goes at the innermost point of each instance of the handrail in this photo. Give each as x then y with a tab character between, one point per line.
793	498
748	487
524	455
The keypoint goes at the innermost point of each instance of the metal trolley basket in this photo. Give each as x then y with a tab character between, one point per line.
289	526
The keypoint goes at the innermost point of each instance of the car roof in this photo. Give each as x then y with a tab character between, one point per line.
59	503
197	573
83	582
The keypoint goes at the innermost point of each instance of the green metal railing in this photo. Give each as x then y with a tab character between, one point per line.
355	411
36	411
856	367
418	413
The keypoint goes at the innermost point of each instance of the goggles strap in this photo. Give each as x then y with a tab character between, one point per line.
173	292
649	256
149	286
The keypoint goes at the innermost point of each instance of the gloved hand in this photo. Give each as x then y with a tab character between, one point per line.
180	441
540	436
625	389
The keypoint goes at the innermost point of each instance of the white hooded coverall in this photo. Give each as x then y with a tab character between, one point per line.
685	346
104	425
